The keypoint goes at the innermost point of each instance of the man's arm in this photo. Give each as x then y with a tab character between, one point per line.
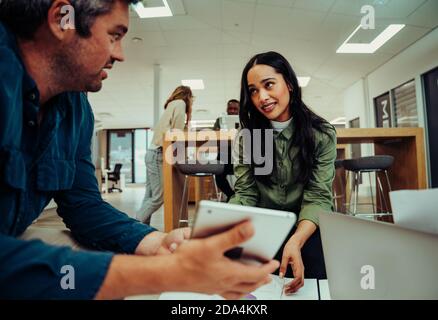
93	222
35	270
196	266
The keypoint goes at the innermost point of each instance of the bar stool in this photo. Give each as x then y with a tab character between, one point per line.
339	164
197	170
377	164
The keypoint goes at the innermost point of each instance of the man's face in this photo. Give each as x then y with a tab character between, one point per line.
233	108
85	59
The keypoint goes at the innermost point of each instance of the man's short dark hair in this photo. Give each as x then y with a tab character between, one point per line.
24	17
233	100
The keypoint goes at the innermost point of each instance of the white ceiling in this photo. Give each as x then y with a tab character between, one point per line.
213	39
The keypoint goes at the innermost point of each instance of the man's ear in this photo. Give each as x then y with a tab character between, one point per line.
61	19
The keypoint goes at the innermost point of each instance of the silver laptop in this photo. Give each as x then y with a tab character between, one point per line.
229	122
375	260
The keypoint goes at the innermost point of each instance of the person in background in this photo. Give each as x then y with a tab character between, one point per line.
177	108
222	182
46	127
304	152
233	107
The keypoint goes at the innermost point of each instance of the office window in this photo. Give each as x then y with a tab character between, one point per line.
120	150
405	105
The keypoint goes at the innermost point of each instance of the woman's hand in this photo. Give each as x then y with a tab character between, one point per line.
292	256
173	239
157	243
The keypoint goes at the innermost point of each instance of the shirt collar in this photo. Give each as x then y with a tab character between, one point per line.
289	131
9	40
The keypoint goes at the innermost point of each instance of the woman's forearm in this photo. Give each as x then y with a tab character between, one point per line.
304	230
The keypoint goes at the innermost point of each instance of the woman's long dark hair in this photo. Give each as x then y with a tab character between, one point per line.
304	119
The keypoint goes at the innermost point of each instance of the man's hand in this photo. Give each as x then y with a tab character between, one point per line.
162	243
202	266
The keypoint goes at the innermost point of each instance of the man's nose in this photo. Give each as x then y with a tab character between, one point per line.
118	52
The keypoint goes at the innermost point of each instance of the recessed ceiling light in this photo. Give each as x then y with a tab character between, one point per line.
194	84
137	39
340	120
374	45
303	81
152	12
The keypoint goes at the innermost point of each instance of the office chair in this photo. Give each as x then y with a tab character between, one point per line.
115	177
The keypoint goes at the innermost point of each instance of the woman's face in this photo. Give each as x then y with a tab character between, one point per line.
269	92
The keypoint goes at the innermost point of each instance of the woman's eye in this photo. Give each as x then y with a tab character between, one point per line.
252	91
269	85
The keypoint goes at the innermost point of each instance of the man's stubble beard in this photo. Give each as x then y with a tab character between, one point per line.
69	73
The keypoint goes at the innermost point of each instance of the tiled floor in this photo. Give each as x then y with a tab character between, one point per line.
128	201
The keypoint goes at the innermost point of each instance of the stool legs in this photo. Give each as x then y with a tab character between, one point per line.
216	188
356	188
379	193
182	206
371	192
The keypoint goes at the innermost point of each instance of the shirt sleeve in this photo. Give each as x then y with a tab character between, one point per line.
179	115
35	270
317	196
93	222
245	187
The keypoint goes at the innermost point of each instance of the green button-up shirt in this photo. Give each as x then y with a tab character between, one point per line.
282	190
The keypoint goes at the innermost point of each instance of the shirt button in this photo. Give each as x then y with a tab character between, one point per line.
31	123
32	96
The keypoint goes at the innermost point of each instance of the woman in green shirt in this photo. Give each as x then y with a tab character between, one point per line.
303	155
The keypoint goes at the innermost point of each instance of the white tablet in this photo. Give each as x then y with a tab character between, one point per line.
271	228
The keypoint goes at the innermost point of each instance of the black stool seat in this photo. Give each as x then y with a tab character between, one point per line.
197	169
369	163
339	163
200	169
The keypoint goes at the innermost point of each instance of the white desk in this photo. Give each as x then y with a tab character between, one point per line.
324	292
271	291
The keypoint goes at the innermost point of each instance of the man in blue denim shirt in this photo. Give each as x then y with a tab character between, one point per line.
46	126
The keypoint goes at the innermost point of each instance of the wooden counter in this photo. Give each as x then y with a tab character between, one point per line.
405	144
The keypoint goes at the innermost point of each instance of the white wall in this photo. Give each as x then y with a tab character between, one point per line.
354	103
411	63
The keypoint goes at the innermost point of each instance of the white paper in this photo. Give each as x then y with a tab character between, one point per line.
416	209
271	291
324	290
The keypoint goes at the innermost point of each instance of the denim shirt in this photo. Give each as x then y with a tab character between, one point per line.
51	160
